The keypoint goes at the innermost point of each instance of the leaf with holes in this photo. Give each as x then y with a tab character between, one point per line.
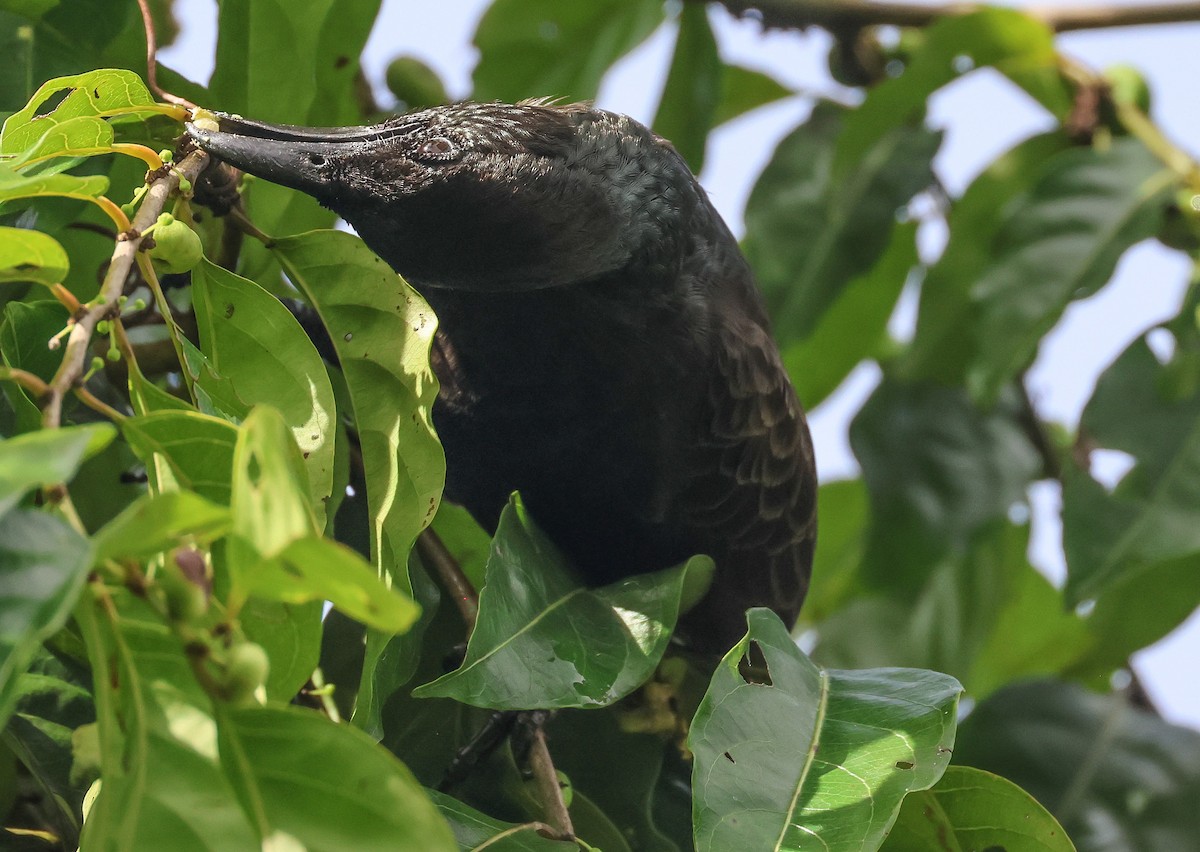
541	641
788	756
93	95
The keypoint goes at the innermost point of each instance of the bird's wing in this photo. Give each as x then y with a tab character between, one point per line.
751	493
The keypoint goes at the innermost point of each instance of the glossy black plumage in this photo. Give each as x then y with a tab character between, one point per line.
602	348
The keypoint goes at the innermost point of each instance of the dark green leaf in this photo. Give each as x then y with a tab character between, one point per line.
1153	514
340	791
545	48
690	96
542	641
1066	234
938	469
252	340
473	829
973	809
1116	777
943	347
45	565
46	457
855	326
158	522
810	755
812	228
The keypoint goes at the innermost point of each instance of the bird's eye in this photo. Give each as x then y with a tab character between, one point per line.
438	148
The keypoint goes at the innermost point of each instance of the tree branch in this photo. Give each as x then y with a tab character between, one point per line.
549	788
106	303
843	15
434	554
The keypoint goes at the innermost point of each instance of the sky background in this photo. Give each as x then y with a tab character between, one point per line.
982	116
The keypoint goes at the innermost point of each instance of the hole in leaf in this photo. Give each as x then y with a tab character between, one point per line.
51	103
254	470
904	764
729	757
753	667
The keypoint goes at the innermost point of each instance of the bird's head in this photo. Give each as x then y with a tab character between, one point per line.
483	196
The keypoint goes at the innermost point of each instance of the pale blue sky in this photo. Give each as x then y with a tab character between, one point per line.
982	116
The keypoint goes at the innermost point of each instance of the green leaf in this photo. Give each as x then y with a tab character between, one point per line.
540	641
1114	776
473	829
382	331
252	340
187	450
14	185
941	349
545	48
1015	44
317	569
31	256
1067	234
844	518
27	327
812	227
1152	514
938	470
743	90
45	566
687	109
46	457
155	523
107	92
855	326
340	791
973	809
808	755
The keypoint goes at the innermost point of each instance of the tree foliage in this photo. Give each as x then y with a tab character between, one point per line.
173	520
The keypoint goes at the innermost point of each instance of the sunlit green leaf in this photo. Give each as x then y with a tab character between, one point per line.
157	522
973	809
339	791
107	92
317	569
252	340
46	457
14	185
31	256
45	565
799	757
1115	777
542	641
544	48
188	450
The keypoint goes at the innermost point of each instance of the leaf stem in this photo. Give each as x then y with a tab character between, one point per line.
434	553
111	289
549	789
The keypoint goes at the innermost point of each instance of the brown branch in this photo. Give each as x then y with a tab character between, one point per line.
434	554
549	788
850	15
25	379
152	60
106	303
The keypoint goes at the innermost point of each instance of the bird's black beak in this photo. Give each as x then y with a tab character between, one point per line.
303	158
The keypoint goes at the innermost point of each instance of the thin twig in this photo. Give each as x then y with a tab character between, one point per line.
850	15
549	788
434	553
152	60
1035	430
96	404
106	303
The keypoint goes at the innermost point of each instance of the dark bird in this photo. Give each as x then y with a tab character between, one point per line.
602	347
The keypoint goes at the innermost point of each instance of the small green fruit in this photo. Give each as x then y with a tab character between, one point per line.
177	248
245	671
